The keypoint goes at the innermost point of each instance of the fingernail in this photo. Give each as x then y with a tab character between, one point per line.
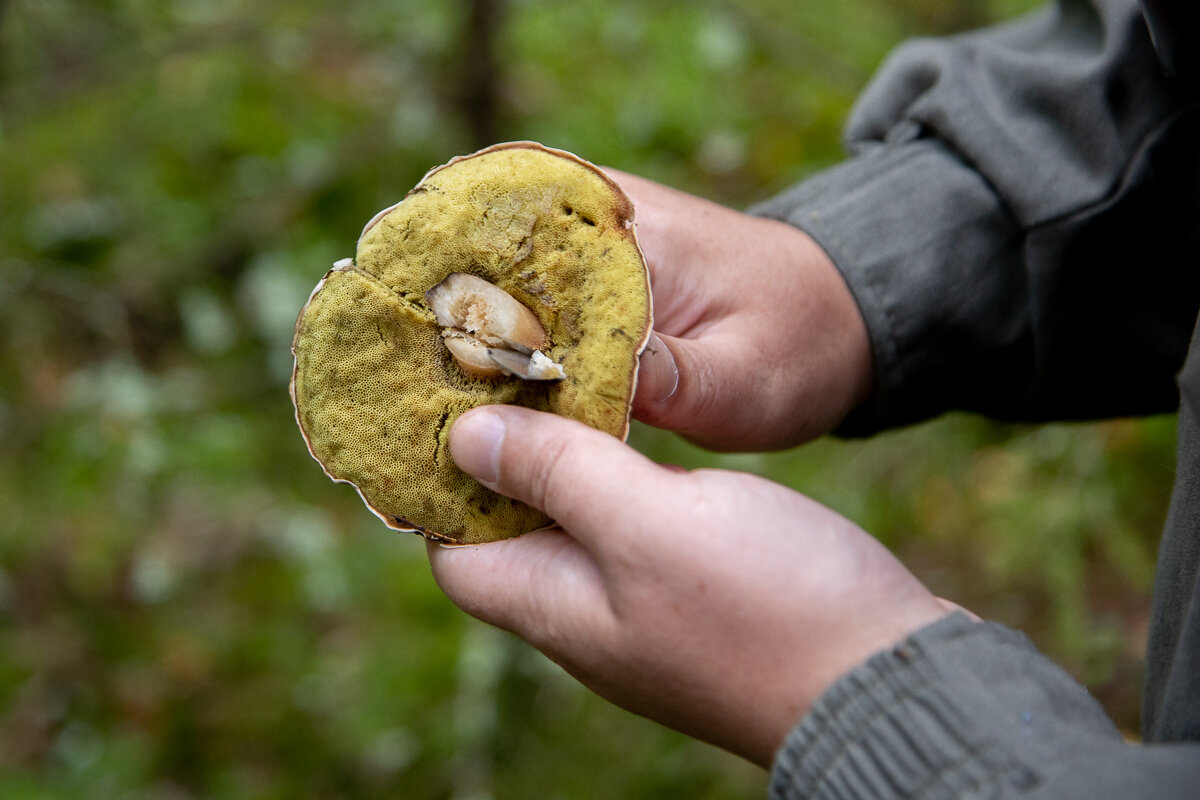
658	369
475	442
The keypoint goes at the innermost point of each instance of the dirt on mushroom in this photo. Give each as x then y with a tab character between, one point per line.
376	386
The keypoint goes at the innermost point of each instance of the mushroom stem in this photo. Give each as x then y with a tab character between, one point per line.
535	367
488	331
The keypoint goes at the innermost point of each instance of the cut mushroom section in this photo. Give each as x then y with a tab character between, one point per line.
472	356
535	367
489	332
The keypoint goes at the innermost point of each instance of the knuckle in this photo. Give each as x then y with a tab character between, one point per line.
546	474
700	398
705	397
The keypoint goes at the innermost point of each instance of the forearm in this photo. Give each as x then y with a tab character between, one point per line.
963	709
1016	221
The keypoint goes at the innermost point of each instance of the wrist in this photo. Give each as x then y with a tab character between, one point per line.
838	360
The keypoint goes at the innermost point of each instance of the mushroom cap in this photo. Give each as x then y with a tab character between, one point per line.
375	387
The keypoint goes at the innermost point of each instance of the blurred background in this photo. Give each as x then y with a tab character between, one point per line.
189	609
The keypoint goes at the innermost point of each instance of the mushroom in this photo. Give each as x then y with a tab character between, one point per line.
488	331
512	275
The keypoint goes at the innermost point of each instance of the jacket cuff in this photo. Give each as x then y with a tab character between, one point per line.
956	707
933	259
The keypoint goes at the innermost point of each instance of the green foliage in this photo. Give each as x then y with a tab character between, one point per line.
188	608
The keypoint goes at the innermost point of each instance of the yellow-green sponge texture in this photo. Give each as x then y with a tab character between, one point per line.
375	389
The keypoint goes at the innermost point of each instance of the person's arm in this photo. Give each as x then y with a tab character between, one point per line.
1018	228
728	607
971	710
1017	220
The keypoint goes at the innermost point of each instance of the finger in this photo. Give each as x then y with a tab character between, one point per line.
658	374
672	376
540	586
589	482
709	389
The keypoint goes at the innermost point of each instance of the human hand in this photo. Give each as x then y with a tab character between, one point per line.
769	346
717	603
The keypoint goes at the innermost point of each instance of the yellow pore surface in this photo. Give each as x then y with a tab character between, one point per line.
376	390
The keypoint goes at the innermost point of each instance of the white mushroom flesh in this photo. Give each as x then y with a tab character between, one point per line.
488	331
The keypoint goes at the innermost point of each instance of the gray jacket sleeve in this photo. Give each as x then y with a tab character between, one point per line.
1016	220
966	710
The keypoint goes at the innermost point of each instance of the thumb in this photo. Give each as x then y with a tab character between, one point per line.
658	375
584	479
693	387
